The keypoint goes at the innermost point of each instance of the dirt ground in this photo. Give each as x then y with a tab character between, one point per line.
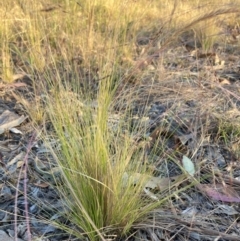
191	99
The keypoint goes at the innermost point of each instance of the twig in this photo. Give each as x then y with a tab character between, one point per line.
23	168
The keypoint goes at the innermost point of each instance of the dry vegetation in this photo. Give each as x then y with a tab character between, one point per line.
118	94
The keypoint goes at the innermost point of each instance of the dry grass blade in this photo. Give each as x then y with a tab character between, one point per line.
175	35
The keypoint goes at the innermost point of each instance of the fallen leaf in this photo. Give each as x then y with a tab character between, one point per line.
158	183
188	165
16	131
9	120
224	81
16	159
20	164
185	138
153	183
41	184
224	193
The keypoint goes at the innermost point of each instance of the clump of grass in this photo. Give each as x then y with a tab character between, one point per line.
229	134
104	170
208	33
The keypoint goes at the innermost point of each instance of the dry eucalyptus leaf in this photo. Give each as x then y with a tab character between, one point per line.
185	138
20	164
41	184
158	183
152	182
17	158
133	179
9	120
16	131
224	81
219	192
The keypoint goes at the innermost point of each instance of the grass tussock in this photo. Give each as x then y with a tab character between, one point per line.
229	132
104	170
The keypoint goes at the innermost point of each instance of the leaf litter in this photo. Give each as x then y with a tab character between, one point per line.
182	113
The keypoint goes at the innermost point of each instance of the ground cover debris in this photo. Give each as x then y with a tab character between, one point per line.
119	120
